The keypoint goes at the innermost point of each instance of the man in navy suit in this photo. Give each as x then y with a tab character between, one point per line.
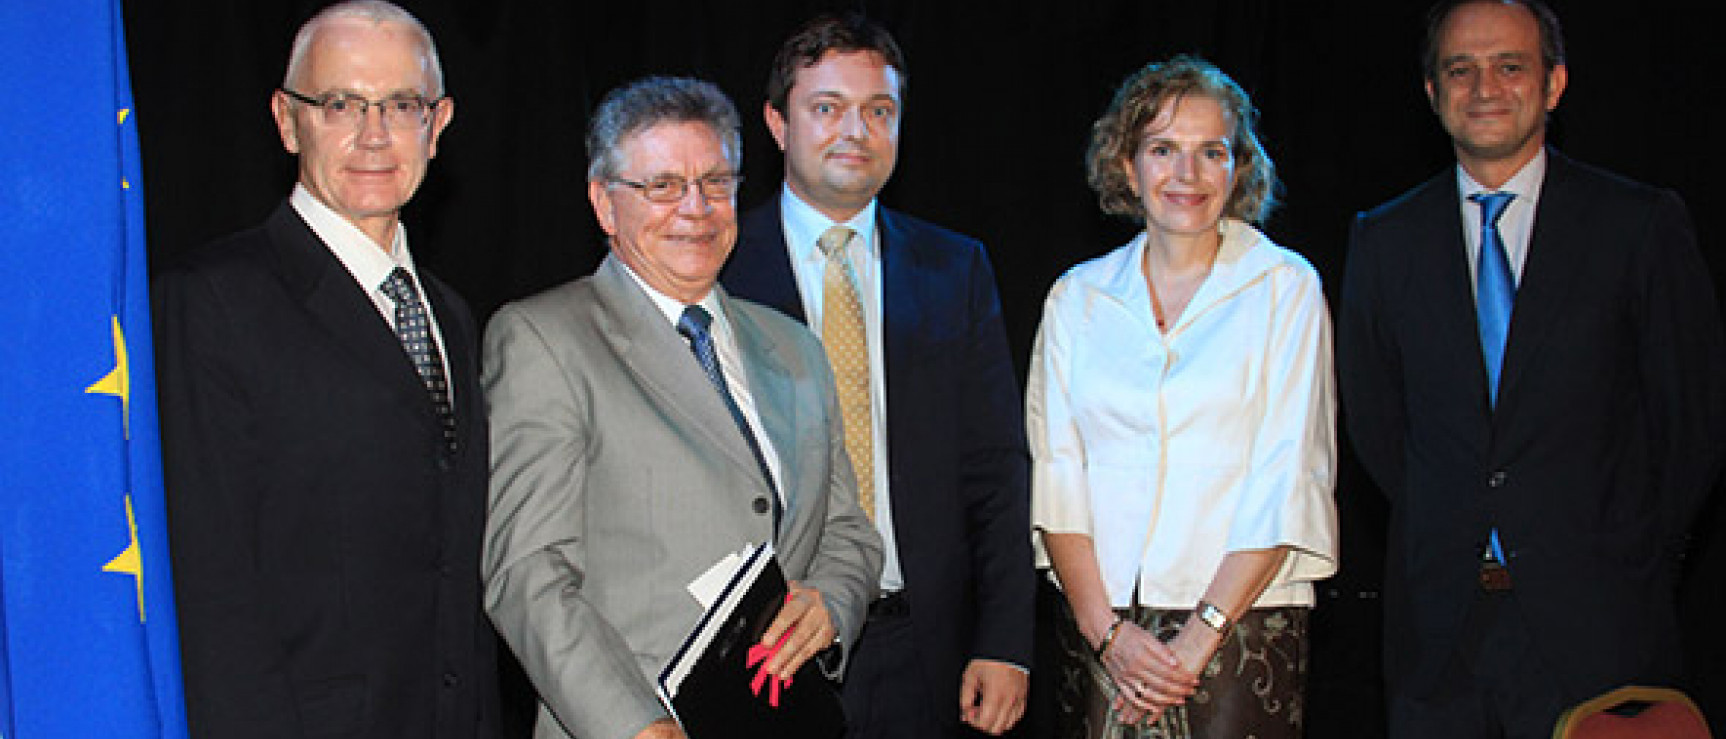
909	314
324	437
1530	355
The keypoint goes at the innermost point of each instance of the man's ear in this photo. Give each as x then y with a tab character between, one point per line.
441	117
775	123
600	196
1555	83
282	109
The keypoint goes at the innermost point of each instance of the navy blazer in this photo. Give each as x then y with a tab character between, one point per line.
326	548
1604	443
957	460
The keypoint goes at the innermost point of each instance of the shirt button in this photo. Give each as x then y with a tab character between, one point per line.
760	506
451	679
1497	479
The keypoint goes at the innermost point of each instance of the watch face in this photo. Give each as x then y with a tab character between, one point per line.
1213	617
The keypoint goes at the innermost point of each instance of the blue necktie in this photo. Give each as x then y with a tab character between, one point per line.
1494	288
1494	297
694	326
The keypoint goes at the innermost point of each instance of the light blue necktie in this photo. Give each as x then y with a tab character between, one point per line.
1494	287
1494	298
694	326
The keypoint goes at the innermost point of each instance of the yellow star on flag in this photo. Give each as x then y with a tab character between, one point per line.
118	382
124	185
130	561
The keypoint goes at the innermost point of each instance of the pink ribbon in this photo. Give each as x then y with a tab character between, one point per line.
758	655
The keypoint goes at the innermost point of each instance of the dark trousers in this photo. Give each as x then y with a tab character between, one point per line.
1494	685
885	694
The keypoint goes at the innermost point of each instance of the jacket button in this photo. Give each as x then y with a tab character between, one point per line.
1497	479
451	680
760	506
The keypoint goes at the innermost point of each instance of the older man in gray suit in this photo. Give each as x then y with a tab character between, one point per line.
645	425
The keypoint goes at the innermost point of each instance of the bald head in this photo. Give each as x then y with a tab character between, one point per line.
374	12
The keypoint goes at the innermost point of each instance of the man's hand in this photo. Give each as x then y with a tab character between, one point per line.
662	729
811	630
992	695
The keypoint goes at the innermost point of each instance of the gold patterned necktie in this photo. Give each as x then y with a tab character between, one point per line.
846	341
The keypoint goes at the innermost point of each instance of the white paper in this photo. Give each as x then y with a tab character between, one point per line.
709	584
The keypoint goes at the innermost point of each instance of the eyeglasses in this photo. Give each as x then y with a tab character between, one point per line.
400	112
672	188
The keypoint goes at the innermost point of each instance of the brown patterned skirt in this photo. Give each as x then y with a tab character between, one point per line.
1252	688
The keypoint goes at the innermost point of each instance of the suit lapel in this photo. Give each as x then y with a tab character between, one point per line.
458	344
1548	275
1438	255
905	303
340	306
774	391
662	364
760	266
902	305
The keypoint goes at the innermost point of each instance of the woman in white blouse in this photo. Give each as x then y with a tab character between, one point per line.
1180	411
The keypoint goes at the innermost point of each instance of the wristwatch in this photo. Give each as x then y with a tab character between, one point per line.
1213	617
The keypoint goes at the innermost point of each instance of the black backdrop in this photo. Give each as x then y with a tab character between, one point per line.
997	113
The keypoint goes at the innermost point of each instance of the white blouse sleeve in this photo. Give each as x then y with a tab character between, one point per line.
1060	502
1287	500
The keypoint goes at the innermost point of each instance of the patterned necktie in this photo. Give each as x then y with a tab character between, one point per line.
413	328
847	344
694	326
1495	288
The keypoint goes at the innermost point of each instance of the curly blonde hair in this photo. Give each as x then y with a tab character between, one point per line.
1118	134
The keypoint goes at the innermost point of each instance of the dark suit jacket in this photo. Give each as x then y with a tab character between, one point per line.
326	549
957	462
1604	442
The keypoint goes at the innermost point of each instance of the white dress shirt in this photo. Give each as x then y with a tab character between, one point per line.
803	228
730	364
368	264
1173	449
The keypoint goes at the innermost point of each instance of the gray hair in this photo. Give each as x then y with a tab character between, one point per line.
378	12
650	101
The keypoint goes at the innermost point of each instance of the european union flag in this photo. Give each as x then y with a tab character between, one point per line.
88	646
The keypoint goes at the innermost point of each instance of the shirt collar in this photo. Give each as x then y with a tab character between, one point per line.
672	308
1239	261
804	226
1525	184
368	264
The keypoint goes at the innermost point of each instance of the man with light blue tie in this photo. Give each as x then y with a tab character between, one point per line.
646	425
1531	357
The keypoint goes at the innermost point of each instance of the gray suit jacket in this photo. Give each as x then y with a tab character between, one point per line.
618	476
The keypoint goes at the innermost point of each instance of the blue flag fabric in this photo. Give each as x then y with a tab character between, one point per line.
88	646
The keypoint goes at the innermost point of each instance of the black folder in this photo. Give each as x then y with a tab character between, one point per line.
712	688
